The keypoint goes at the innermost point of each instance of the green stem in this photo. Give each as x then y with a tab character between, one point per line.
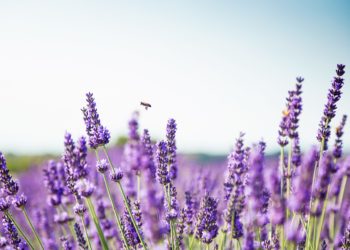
223	241
19	229
192	240
320	225
32	227
86	232
97	223
342	190
126	202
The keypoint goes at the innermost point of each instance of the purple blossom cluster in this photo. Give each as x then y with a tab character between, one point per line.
148	196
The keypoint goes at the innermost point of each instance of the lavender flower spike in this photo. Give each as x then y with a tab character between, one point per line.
277	207
162	163
207	228
300	198
334	95
80	237
9	185
12	234
338	145
98	135
171	143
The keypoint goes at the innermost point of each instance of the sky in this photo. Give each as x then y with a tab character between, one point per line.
217	67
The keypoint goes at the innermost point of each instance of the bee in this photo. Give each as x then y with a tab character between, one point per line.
146	105
285	112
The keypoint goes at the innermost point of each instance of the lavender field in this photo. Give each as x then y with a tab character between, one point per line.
146	195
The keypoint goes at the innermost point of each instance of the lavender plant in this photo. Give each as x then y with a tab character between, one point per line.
147	195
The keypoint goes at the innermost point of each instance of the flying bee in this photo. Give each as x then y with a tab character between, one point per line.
285	112
146	105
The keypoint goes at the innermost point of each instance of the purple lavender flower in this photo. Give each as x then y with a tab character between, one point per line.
334	95
290	119
20	201
237	166
207	228
171	144
80	170
296	153
62	218
234	187
129	229
132	150
79	209
338	145
248	240
12	234
117	175
172	207
162	163
133	128
180	227
53	184
3	243
255	189
98	135
84	188
189	211
4	204
302	182
66	243
346	238
102	166
147	161
80	237
9	185
277	205
69	158
327	167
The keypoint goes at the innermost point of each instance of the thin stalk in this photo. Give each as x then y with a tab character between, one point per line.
342	191
126	201
223	241
116	215
208	246
32	227
320	225
281	229
19	229
192	240
332	221
97	223
314	175
86	232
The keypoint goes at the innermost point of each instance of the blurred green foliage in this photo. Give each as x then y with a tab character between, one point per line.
121	141
17	163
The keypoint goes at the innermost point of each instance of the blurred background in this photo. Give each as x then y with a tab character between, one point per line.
217	67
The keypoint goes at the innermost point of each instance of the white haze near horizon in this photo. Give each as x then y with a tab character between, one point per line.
217	67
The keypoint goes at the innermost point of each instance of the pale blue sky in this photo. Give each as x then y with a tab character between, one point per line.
217	67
